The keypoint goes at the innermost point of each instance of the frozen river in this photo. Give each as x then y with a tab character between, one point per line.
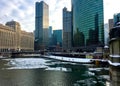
37	71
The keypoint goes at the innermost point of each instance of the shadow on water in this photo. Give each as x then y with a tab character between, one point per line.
46	72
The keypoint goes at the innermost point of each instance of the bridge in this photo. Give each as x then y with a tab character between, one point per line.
20	53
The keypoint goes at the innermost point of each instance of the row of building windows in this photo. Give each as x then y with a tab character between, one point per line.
87	17
12	38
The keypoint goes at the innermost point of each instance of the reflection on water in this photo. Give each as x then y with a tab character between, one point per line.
44	72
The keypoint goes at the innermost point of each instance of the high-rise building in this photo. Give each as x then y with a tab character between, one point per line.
88	23
50	36
111	23
67	28
106	33
41	24
50	32
12	38
57	37
116	18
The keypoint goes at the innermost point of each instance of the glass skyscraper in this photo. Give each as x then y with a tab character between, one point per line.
116	18
57	37
67	28
88	23
41	24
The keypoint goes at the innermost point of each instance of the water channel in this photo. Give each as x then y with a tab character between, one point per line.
39	71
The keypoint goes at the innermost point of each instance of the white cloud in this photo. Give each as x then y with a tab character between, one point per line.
19	10
23	11
110	8
56	7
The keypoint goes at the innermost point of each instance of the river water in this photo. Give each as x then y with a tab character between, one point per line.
38	71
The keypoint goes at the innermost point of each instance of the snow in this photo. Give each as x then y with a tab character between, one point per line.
58	69
68	59
107	83
34	63
26	63
1	57
114	64
106	46
98	69
115	56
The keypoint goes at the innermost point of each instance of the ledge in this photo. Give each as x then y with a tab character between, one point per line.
114	56
114	64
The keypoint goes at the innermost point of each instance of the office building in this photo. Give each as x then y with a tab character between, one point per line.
41	25
116	19
50	32
57	37
67	29
88	23
106	33
111	23
12	38
50	36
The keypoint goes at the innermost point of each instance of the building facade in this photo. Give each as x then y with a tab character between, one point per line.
57	37
116	18
67	29
111	23
50	32
88	23
106	33
27	41
41	24
12	38
114	57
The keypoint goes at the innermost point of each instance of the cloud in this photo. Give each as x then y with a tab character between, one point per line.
110	8
18	10
56	7
23	11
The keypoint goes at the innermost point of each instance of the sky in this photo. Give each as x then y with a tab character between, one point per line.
23	11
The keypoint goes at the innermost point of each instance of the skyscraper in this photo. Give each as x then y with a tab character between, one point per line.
111	23
50	35
41	24
57	37
116	18
67	28
50	31
88	23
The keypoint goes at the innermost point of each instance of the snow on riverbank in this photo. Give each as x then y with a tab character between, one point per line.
68	59
114	64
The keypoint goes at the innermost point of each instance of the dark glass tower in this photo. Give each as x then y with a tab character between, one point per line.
57	37
116	19
67	28
88	23
41	24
